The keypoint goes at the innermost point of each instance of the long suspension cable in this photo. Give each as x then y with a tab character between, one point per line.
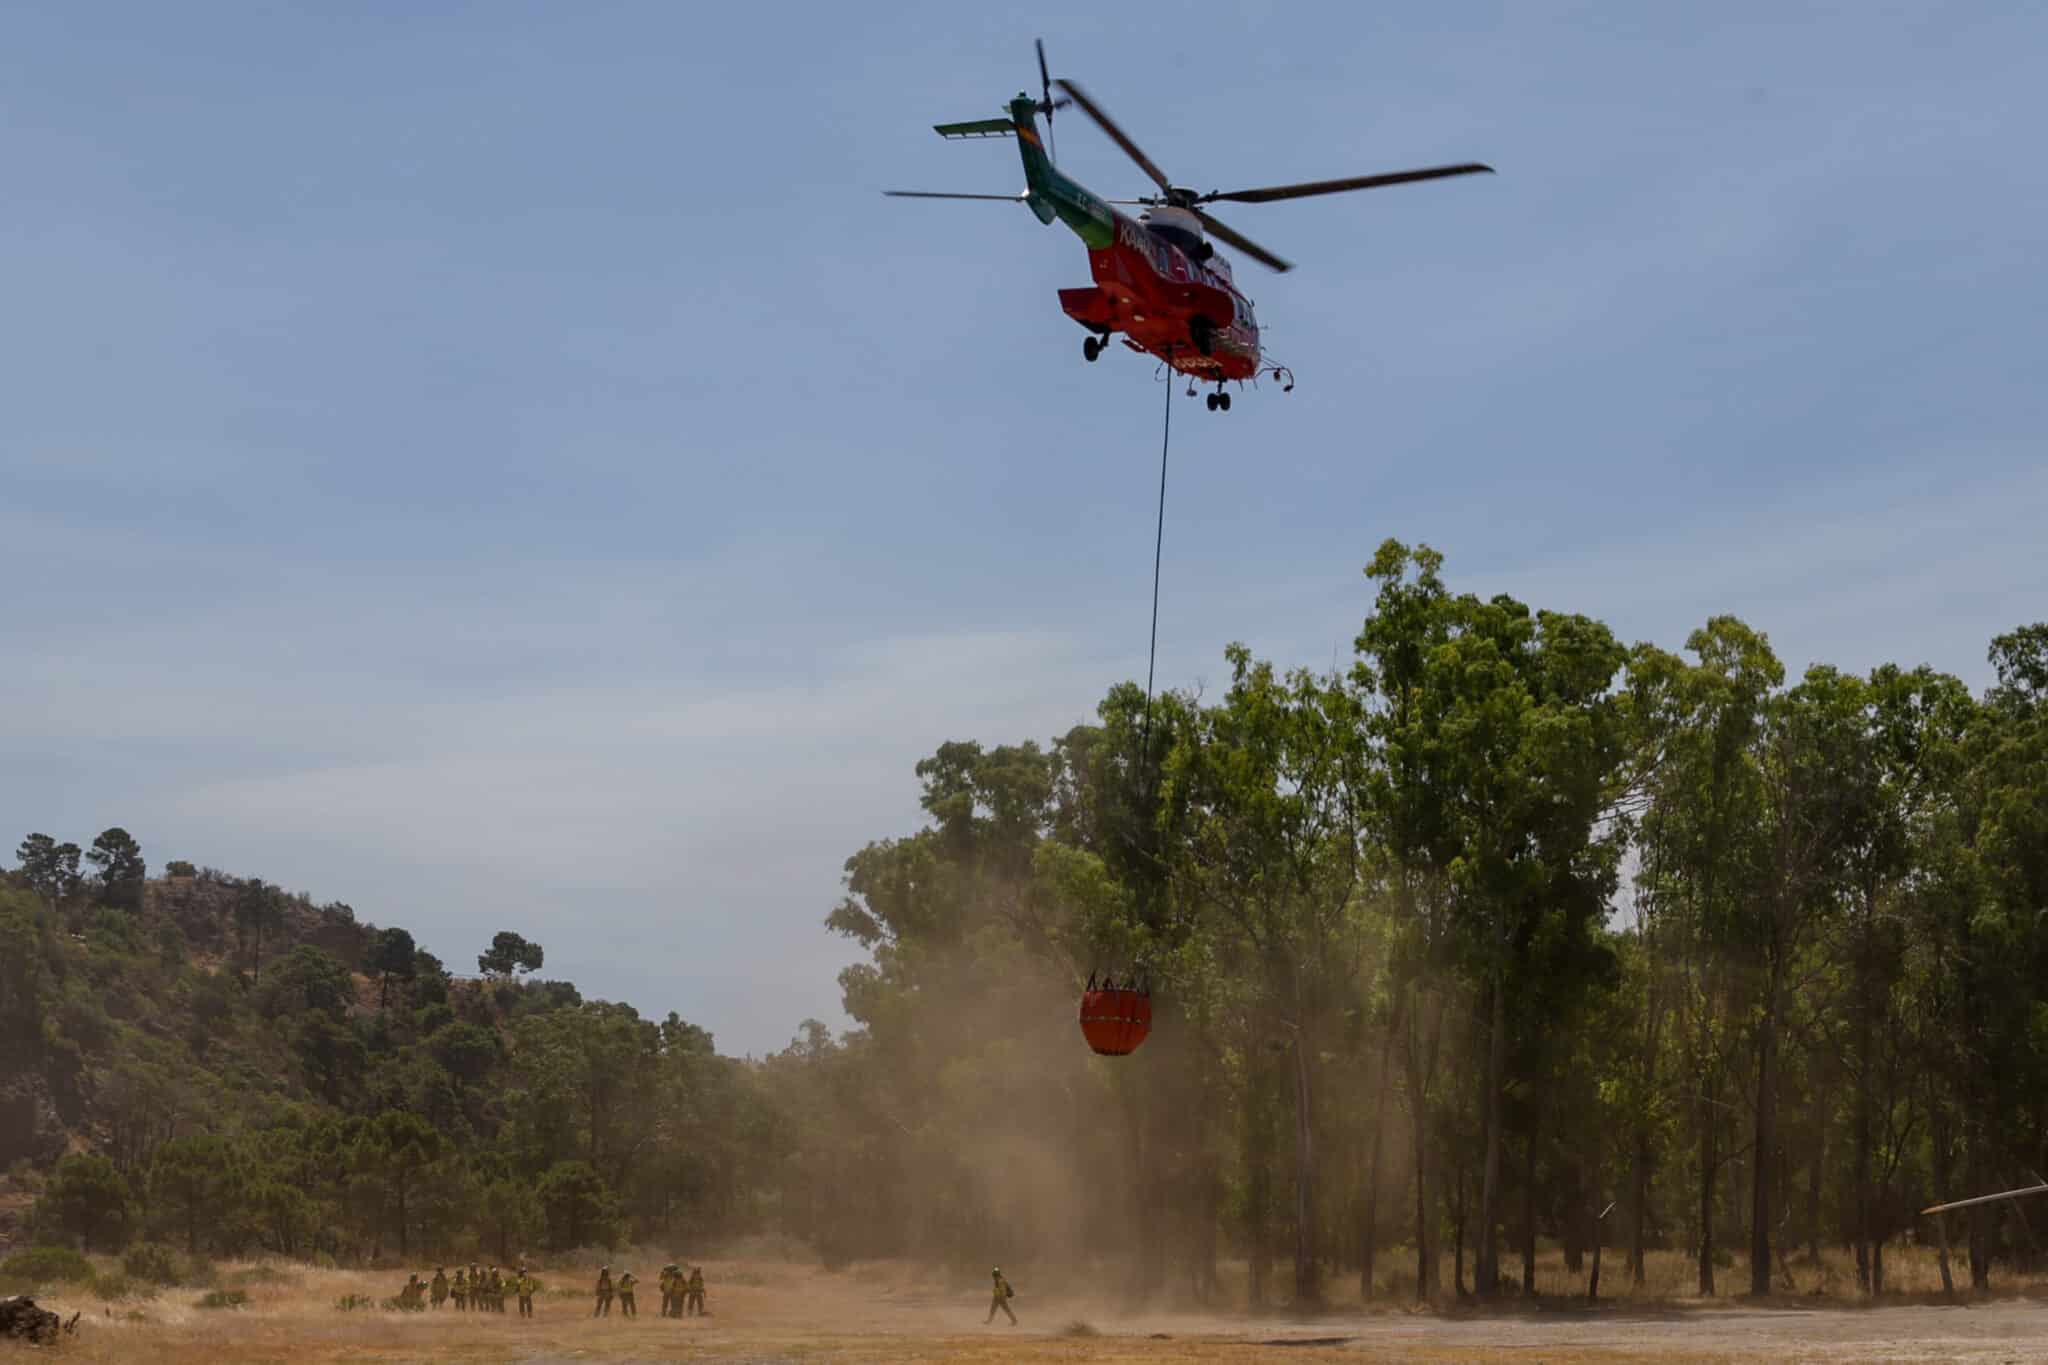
1158	543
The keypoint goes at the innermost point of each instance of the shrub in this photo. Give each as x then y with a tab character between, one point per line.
1078	1328
350	1303
201	1273
120	1285
154	1262
223	1298
48	1265
262	1274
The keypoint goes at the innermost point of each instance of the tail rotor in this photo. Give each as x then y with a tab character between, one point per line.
1046	103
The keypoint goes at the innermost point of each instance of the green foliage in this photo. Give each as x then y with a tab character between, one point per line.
392	954
509	953
87	1200
222	1298
47	1265
259	912
153	1262
120	1285
121	868
331	1055
49	868
578	1205
466	1051
194	1183
308	978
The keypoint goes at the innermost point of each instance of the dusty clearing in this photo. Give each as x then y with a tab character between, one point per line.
771	1312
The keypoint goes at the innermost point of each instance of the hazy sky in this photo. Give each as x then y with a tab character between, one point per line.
503	465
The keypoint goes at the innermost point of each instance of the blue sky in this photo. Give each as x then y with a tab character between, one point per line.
504	465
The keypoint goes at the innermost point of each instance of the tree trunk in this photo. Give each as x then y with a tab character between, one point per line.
1425	1262
1458	1239
1863	1047
1639	1205
1257	1158
1980	1218
1369	1229
1529	1213
1486	1268
1576	1213
1944	1155
1766	1148
1707	1173
1307	1289
1418	1110
1813	1179
1205	1236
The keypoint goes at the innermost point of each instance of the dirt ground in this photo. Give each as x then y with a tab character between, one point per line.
772	1312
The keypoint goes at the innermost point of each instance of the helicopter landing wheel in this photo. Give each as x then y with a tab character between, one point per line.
1212	401
1091	347
1223	402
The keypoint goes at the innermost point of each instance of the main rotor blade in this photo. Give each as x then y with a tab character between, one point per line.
934	194
1985	1199
1243	243
1357	182
1116	134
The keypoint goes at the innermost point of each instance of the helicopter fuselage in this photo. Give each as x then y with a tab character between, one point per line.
1178	304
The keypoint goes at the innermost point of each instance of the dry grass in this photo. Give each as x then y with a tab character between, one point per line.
883	1312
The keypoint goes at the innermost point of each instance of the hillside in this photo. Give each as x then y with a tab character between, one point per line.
238	1069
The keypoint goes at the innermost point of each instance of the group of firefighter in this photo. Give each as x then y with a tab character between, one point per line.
681	1295
484	1291
472	1289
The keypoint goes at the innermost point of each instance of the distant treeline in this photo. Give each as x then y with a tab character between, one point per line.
251	1072
1504	927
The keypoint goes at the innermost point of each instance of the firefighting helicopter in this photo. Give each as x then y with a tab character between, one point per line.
1157	278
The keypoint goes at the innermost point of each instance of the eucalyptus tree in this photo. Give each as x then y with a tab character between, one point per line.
1410	824
1501	734
1998	934
1699	856
1901	776
1271	779
1816	776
